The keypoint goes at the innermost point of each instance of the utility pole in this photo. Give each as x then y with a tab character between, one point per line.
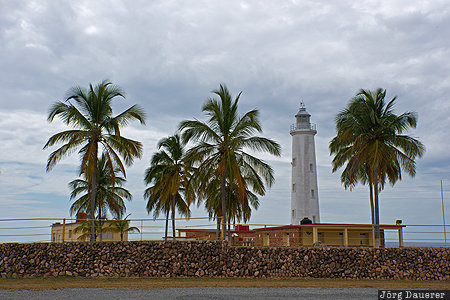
443	215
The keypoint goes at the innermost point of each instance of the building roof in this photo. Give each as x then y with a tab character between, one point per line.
319	225
61	224
213	230
76	223
302	112
336	225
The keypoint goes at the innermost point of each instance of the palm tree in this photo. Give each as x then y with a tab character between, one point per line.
95	129
370	143
236	210
85	228
121	226
110	194
169	175
219	150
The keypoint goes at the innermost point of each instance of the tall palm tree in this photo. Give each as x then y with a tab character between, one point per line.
219	150
169	176
236	210
95	130
121	226
110	194
371	144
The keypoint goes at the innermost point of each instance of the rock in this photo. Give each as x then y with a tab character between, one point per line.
200	259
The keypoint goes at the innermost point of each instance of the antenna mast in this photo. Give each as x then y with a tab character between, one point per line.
443	215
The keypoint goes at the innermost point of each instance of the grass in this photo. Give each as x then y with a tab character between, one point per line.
160	283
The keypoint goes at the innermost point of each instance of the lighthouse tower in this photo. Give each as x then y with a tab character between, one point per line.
304	192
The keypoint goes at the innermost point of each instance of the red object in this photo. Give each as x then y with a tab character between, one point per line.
242	228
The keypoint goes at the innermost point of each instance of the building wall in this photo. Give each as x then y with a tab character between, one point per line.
278	237
295	236
360	238
202	235
242	238
303	236
307	237
238	238
71	236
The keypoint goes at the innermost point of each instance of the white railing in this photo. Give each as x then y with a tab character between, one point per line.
30	230
296	126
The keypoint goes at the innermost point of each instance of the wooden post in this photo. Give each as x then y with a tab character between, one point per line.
315	234
64	230
346	237
400	237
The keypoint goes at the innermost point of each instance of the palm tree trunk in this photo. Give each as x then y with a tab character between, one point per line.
167	225
100	224
223	191
377	213
218	228
372	213
173	216
121	236
93	196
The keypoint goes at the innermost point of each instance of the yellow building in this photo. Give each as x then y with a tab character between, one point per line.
240	236
326	234
66	233
337	235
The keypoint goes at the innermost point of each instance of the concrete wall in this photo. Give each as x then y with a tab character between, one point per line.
215	259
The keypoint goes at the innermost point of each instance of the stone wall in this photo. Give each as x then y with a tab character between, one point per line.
214	259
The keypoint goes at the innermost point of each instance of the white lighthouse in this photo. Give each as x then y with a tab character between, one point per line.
304	192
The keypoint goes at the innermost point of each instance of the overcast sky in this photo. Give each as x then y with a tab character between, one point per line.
169	55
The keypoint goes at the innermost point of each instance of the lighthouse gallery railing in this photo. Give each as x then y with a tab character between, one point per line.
303	127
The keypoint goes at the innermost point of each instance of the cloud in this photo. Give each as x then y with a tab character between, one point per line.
169	55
